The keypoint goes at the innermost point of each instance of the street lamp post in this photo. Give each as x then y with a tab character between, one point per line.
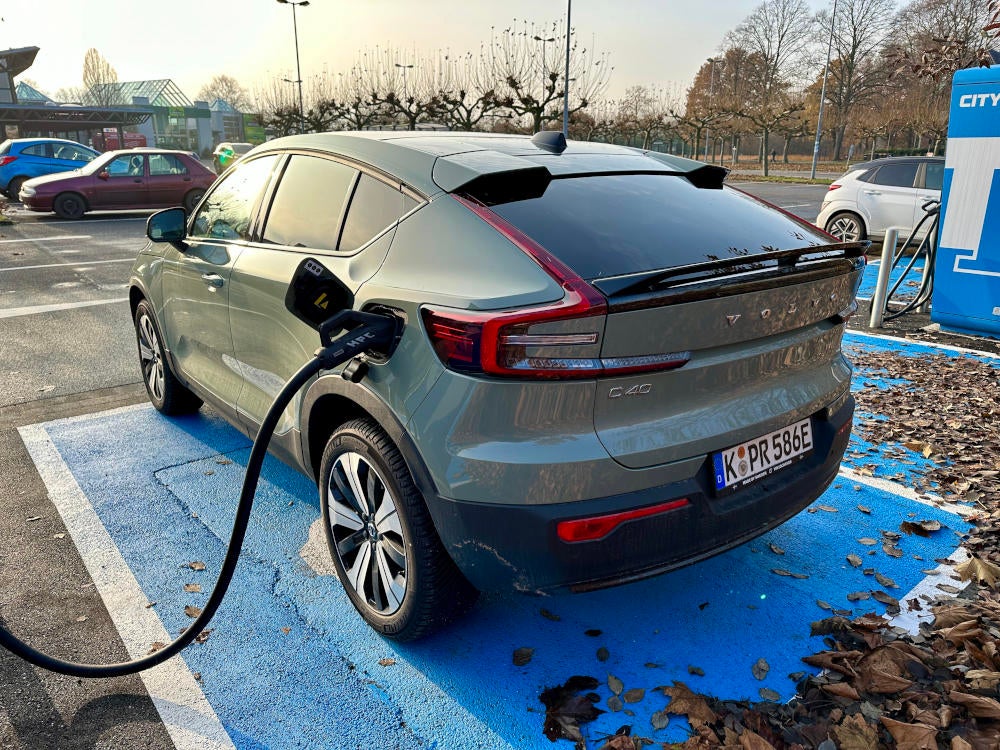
822	95
545	70
711	94
404	68
298	67
569	7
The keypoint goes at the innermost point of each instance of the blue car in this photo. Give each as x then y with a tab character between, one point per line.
24	158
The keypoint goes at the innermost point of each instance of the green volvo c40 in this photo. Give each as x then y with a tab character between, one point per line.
610	364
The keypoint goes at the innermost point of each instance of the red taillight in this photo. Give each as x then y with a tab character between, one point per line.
558	340
835	186
5	160
598	527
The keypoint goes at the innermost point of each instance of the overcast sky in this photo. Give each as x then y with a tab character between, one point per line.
649	41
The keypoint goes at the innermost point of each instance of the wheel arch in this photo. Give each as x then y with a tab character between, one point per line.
332	401
77	193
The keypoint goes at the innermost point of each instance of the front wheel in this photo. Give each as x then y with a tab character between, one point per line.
387	554
167	394
847	227
14	188
69	206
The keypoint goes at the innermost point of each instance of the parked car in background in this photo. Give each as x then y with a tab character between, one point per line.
137	178
610	364
227	154
879	194
24	158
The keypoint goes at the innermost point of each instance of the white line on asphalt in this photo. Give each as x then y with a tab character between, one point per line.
56	238
95	221
58	265
928	591
187	715
948	347
797	205
17	312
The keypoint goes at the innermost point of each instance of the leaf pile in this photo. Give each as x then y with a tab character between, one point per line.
948	411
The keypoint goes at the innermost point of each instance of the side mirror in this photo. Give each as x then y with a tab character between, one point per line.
103	174
168	225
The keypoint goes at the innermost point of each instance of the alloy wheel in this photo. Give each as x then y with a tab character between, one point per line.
367	533
150	357
845	228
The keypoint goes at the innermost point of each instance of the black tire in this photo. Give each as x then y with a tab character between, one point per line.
387	554
165	391
69	206
191	199
847	227
14	188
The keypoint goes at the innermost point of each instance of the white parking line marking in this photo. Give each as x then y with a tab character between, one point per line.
58	265
927	590
187	715
798	205
57	238
17	312
919	342
926	498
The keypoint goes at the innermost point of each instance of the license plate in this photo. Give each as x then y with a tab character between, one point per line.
755	459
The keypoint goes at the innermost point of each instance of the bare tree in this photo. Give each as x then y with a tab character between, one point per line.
467	95
227	88
860	29
71	94
775	37
100	80
529	71
938	37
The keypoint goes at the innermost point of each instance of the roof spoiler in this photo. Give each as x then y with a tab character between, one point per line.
699	174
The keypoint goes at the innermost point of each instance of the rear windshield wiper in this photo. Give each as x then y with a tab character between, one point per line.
647	281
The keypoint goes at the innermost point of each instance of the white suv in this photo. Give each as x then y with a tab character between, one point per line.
880	194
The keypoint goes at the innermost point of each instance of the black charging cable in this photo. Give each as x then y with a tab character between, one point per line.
368	331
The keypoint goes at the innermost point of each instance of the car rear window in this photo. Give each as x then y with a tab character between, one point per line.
610	225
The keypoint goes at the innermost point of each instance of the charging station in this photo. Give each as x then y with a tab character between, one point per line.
967	270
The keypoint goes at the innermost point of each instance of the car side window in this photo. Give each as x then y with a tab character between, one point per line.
226	212
161	164
374	207
126	165
896	175
39	149
309	203
71	153
934	175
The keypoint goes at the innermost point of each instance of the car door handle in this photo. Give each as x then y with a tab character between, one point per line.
137	179
187	179
872	192
930	197
213	279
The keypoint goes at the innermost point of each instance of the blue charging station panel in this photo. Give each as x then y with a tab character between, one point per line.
967	271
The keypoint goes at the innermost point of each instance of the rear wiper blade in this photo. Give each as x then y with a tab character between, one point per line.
780	259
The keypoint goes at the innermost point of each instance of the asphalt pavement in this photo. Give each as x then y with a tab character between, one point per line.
67	349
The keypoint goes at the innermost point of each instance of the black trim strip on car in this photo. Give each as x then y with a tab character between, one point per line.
714	271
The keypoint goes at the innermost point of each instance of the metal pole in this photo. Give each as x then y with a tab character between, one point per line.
882	284
298	72
822	95
569	7
711	94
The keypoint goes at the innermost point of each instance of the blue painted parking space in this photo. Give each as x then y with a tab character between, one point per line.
289	664
908	287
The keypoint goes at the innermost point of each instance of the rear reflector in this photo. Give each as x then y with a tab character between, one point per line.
598	527
5	160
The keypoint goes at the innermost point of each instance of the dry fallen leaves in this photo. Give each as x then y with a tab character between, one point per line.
192	611
523	655
977	569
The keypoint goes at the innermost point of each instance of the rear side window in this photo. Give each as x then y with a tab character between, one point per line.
161	164
309	203
39	149
225	214
374	207
610	225
896	175
934	175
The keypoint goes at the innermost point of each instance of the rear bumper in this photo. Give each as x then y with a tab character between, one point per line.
505	546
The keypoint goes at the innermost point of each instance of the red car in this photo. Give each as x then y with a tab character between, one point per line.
136	178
